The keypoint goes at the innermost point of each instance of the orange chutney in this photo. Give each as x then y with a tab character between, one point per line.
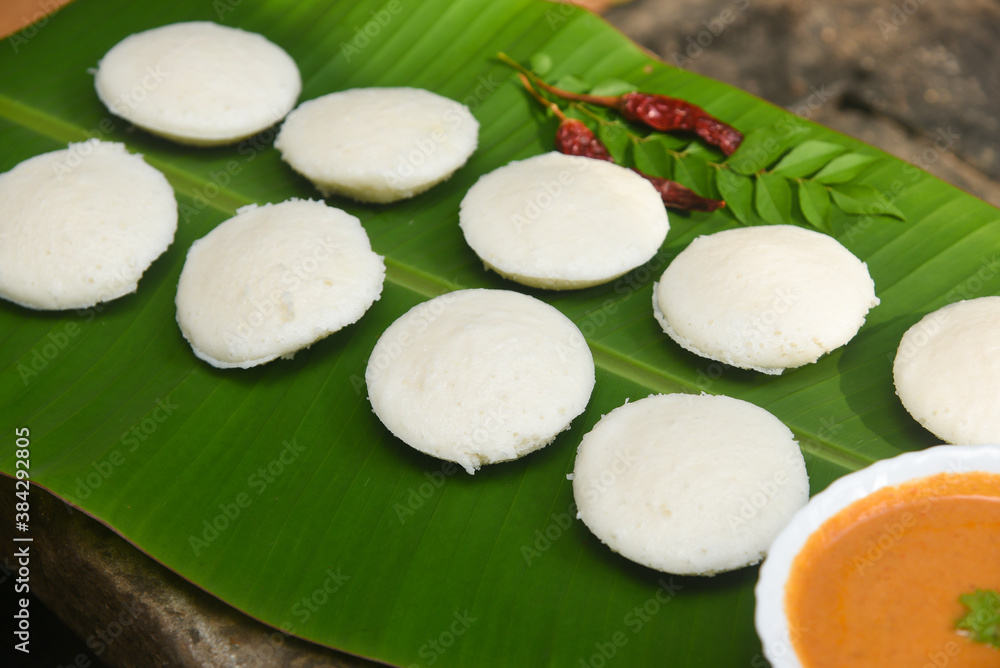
878	583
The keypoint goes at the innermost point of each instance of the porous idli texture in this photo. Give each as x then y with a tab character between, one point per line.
480	376
273	280
198	82
689	484
766	298
947	371
563	222
378	144
80	226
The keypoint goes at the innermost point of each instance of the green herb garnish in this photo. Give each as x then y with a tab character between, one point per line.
983	619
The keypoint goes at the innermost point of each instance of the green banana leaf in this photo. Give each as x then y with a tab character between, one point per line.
277	490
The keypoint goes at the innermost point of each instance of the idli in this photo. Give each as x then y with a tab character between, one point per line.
274	279
563	222
80	226
480	376
198	82
689	484
947	371
765	298
378	144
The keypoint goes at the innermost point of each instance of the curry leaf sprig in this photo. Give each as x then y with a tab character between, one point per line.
775	176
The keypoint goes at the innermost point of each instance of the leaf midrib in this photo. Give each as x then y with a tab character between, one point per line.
406	276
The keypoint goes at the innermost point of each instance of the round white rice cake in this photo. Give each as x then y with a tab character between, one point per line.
688	484
480	376
947	371
563	222
199	82
378	144
765	298
274	279
80	226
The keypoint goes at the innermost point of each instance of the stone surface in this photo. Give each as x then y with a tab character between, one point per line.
918	79
131	611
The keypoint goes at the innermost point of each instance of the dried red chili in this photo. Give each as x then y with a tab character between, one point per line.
663	114
574	138
667	113
677	196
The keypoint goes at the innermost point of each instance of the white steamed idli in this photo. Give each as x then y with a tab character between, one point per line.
765	298
563	222
80	226
198	82
688	484
947	371
480	376
274	279
378	144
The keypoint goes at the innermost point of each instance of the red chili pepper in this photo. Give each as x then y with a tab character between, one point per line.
667	113
574	138
663	114
677	196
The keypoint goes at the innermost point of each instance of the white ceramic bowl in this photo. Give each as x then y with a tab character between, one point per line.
769	615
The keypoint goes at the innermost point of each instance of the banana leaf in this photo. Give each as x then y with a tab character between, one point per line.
278	491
